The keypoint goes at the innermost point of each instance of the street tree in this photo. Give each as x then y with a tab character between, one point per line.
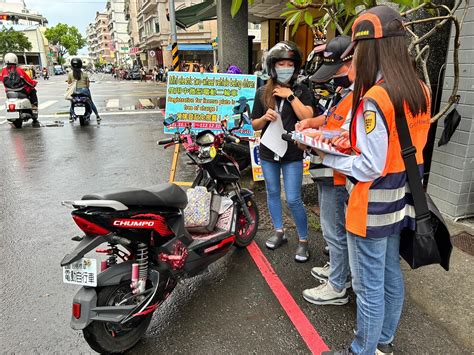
13	41
67	39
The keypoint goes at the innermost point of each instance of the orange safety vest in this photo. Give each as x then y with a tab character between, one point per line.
335	120
385	206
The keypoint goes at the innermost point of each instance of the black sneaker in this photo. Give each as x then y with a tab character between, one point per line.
276	240
338	352
302	252
384	349
36	123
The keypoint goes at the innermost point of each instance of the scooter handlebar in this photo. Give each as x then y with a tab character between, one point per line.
232	139
166	141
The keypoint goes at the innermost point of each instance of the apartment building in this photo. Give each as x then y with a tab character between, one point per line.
118	30
105	50
92	42
131	14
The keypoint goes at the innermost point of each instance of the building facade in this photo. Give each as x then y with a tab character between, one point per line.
451	181
104	49
118	30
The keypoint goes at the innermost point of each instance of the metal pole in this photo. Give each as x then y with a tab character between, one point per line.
174	37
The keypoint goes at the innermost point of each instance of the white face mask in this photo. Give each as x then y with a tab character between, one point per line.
284	74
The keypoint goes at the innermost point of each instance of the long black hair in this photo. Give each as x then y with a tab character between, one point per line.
77	73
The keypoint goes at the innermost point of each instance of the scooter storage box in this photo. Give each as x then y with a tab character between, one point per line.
202	211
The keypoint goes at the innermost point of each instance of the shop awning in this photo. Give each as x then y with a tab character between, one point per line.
193	47
194	14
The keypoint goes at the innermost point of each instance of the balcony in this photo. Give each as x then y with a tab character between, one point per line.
149	6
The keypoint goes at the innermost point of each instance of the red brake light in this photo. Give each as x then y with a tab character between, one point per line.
11	107
76	310
89	227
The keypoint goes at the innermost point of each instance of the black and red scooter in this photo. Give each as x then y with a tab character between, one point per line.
148	247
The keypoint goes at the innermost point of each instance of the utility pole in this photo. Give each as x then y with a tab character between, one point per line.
174	37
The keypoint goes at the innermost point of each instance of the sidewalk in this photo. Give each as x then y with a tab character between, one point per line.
446	297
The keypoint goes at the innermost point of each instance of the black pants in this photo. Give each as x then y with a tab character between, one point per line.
32	97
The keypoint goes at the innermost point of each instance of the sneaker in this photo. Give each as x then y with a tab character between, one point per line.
36	123
302	252
338	352
98	119
276	240
322	274
325	294
384	349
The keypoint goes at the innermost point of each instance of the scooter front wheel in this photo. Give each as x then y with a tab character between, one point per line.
244	231
109	338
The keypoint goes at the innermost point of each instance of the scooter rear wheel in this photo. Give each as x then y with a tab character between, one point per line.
18	123
109	338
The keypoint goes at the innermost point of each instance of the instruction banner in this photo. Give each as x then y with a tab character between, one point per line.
204	99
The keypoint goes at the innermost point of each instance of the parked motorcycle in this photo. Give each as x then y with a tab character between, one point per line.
82	109
18	108
148	246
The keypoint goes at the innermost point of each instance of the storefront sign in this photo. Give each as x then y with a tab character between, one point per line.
152	53
205	99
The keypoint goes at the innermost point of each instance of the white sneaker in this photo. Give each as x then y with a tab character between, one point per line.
325	294
322	274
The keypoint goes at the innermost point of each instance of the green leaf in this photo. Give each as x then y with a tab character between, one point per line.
348	27
296	25
308	18
235	7
250	2
290	5
288	13
293	18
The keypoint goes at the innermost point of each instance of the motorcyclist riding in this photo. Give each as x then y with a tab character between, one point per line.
15	78
82	84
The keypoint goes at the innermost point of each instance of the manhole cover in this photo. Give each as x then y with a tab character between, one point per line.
464	241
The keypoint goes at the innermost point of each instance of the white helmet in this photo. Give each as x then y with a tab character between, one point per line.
10	58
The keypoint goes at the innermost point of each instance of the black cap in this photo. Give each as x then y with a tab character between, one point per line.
332	59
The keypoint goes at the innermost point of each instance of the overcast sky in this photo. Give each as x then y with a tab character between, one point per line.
77	13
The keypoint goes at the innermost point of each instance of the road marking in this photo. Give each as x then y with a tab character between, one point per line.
310	336
46	104
116	113
3	122
112	104
146	103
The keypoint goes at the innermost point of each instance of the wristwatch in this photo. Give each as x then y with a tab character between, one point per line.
290	98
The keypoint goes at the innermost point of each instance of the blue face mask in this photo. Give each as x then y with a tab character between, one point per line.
284	75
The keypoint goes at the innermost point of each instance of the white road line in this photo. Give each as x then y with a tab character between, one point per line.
3	122
119	113
46	104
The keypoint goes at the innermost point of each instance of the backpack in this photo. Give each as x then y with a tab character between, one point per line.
13	80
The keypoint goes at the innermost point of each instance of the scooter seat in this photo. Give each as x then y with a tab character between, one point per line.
16	95
163	195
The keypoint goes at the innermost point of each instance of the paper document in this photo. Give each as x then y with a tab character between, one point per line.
315	143
272	138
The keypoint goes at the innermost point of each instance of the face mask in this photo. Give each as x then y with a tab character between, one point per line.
284	75
342	81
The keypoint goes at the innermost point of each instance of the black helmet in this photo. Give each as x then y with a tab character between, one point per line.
76	63
281	51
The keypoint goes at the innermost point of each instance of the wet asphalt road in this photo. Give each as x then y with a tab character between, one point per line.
228	309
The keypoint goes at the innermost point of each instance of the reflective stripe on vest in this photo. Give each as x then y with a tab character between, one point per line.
385	206
336	119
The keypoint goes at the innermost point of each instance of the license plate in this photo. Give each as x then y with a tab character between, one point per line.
82	272
12	115
79	110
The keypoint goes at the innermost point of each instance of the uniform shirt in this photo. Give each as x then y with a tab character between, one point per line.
373	146
289	119
29	83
